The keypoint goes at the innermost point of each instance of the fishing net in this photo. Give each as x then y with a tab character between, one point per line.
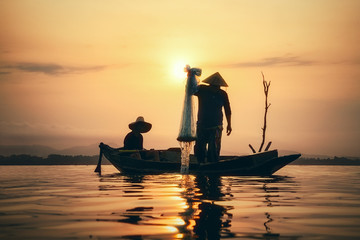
187	133
185	156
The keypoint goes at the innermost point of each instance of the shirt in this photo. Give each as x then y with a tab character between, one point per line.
133	141
211	101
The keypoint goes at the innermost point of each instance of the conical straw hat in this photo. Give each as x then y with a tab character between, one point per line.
216	79
140	125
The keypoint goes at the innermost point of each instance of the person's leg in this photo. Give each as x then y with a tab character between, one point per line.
218	134
214	144
200	145
211	153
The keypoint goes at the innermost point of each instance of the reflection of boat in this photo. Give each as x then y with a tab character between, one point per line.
168	161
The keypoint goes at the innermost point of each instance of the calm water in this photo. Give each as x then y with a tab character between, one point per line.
72	202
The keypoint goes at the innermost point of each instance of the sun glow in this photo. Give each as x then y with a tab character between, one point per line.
178	70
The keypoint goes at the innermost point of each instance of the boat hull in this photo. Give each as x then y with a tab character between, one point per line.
168	161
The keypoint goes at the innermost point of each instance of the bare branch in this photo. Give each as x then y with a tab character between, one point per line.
268	146
252	149
266	91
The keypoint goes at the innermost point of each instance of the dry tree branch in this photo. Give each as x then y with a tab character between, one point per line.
266	91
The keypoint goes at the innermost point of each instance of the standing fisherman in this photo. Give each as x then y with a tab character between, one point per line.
210	118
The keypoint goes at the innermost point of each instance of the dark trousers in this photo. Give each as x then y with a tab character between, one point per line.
208	144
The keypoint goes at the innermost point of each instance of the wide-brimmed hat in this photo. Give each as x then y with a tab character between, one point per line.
140	125
216	80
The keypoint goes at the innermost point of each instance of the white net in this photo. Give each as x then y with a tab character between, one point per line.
187	133
185	156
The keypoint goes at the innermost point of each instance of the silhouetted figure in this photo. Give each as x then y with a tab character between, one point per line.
212	100
134	140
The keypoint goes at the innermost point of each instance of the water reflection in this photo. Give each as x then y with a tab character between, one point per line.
268	199
203	216
68	202
195	207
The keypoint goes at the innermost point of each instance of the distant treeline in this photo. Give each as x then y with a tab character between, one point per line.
56	159
326	161
52	159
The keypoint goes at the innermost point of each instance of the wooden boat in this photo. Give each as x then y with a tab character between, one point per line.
168	161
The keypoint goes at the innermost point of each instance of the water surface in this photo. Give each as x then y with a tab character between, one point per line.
73	202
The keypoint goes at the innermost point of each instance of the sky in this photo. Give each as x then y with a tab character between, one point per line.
75	73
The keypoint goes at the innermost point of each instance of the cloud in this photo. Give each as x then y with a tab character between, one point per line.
273	61
353	61
50	68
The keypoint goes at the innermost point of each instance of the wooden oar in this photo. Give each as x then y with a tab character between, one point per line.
98	167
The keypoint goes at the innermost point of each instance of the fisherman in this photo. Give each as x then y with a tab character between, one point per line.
212	100
134	140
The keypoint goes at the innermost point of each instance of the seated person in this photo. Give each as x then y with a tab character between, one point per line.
134	140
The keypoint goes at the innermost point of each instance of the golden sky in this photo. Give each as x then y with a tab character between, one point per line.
78	72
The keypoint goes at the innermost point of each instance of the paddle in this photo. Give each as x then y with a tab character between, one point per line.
98	167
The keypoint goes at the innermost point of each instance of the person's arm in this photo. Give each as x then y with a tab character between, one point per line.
141	142
127	141
228	128
227	114
193	84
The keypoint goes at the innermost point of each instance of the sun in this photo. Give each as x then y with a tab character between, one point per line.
178	70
